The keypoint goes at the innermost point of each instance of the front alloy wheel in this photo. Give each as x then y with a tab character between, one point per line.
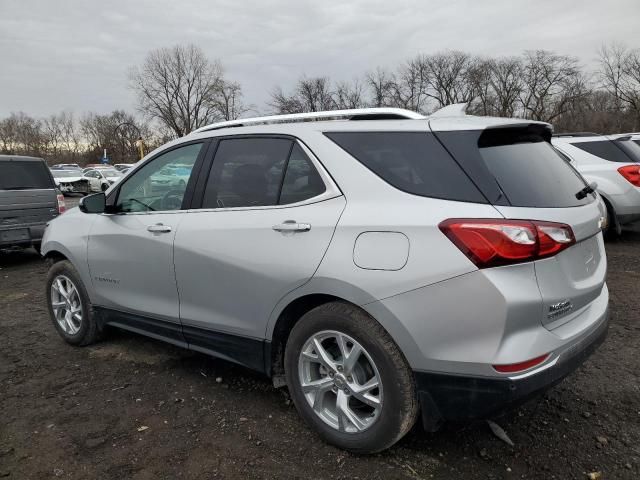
66	304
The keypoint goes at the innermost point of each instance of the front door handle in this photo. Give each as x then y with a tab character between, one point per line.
159	228
292	226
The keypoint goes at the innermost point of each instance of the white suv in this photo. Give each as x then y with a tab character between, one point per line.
613	163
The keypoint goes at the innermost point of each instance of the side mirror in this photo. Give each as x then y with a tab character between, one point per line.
93	203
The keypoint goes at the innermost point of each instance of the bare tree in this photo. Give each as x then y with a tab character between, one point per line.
229	104
349	95
117	132
310	95
180	87
381	83
409	90
551	84
448	78
619	74
507	85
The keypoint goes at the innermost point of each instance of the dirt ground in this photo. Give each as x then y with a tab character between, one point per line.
133	408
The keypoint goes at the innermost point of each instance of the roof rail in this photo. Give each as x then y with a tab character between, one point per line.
577	134
352	114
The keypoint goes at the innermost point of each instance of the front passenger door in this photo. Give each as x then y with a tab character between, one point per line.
131	250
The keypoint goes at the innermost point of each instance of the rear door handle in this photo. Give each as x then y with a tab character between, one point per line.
292	226
159	228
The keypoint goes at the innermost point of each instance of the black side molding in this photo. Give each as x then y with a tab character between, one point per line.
246	351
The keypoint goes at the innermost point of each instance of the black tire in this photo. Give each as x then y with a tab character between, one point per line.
90	331
399	409
104	187
36	246
613	229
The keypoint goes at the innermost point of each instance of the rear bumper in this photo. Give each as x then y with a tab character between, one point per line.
458	398
21	236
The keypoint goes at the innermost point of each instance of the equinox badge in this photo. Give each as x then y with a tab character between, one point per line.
560	308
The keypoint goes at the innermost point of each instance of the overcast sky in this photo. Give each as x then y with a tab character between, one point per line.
75	55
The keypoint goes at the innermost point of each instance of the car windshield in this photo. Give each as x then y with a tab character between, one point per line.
65	173
108	172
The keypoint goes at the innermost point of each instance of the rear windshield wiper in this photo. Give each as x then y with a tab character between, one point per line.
585	191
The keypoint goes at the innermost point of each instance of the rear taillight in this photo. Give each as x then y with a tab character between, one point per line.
631	173
520	367
61	205
494	242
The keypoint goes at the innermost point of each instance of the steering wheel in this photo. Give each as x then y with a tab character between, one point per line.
172	200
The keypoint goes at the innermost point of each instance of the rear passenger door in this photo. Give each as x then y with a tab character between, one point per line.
265	219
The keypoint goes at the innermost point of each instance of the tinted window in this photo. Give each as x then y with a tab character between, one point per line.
161	183
630	148
247	172
534	175
517	166
301	180
605	149
414	162
24	175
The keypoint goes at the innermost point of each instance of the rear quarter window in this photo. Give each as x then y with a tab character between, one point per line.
414	162
605	149
24	175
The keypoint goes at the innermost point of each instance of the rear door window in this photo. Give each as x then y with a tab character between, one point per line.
517	167
604	149
24	175
247	172
259	172
414	162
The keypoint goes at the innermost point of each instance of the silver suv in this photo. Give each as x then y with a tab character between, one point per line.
380	266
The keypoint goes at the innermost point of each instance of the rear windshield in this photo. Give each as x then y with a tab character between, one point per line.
24	175
605	149
414	162
517	167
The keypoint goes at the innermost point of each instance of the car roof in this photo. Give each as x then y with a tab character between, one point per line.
21	157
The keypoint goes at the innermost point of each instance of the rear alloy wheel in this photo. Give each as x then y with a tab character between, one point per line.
348	379
340	381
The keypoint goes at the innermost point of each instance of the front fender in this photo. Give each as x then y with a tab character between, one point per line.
68	235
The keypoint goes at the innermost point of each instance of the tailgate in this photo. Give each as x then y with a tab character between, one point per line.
524	178
574	278
25	208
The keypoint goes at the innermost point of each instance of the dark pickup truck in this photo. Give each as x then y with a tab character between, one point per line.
28	200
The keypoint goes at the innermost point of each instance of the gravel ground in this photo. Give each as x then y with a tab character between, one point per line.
134	408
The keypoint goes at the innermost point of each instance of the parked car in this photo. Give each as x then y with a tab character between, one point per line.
123	166
380	267
71	181
171	177
65	166
612	163
28	200
101	178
